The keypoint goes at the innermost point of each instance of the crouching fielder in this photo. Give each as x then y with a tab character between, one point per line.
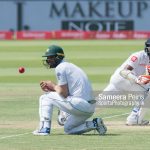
72	94
130	76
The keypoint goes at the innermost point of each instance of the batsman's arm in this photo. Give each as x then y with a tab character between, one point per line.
128	74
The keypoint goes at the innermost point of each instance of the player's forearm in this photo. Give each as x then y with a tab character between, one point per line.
128	74
61	91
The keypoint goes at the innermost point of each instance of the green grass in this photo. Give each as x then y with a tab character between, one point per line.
19	95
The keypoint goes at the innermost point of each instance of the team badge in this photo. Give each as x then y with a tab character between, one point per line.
58	75
134	58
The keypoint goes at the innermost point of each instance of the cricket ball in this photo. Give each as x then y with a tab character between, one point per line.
21	70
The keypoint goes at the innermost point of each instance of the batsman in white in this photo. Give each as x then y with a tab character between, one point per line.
130	77
72	94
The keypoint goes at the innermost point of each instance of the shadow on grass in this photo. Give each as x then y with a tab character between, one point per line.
111	134
100	135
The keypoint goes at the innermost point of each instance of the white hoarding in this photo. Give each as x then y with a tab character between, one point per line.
101	15
8	15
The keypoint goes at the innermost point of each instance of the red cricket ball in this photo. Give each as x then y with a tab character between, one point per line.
21	70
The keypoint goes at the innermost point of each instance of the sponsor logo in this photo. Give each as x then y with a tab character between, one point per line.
103	25
134	58
143	65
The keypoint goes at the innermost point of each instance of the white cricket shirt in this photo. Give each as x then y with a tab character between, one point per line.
77	80
138	61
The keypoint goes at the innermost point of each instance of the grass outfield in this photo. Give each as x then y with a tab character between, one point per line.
19	96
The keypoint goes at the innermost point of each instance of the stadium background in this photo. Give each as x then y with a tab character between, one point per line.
101	35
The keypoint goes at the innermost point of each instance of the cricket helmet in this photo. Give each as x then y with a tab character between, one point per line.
147	47
54	55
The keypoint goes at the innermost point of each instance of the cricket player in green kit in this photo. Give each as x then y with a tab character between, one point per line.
72	94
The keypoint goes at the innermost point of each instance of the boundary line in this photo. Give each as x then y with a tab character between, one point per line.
114	116
9	136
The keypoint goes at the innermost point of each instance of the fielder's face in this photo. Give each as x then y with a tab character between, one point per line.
51	61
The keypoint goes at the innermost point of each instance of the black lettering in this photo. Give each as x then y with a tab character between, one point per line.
127	12
77	9
54	11
93	10
141	6
109	9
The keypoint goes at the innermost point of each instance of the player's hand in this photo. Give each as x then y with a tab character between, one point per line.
47	86
143	79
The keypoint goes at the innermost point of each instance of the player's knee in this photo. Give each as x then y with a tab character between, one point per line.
67	128
43	99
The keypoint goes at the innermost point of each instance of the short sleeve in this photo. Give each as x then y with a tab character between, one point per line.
61	75
133	60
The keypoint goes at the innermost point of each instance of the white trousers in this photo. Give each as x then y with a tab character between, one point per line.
118	83
79	109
